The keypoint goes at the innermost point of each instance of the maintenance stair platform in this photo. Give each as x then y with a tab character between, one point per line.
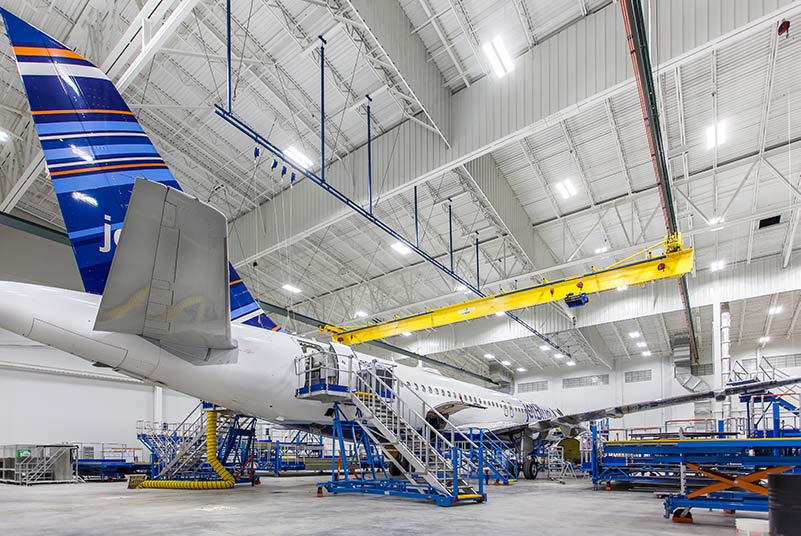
384	420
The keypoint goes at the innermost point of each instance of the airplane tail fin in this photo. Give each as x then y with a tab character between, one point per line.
95	149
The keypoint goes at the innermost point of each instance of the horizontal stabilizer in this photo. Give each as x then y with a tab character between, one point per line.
169	277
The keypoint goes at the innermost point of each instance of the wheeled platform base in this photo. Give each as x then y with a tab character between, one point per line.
399	488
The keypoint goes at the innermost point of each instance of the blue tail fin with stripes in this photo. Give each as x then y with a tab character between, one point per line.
94	149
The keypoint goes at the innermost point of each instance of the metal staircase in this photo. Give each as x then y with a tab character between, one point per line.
773	413
178	451
368	394
500	460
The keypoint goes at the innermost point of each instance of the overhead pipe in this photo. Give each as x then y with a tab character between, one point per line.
229	96
227	479
638	49
260	140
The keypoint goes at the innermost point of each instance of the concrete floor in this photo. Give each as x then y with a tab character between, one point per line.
289	506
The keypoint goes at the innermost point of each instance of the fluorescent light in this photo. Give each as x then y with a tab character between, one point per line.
558	356
642	344
570	363
716	220
716	136
4	136
361	314
764	339
634	334
500	313
601	250
498	57
460	288
407	333
489	356
506	363
716	266
294	154
291	288
566	189
621	288
775	310
646	353
545	348
520	369
88	199
401	248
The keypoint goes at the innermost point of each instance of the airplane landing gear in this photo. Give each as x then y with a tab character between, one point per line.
530	468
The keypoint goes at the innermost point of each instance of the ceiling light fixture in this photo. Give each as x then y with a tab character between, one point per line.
291	288
520	369
566	189
500	313
775	310
570	363
294	154
506	363
621	288
489	356
558	356
601	250
545	348
498	57
642	344
4	136
401	248
634	334
716	135
461	288
361	314
716	266
646	353
763	340
407	333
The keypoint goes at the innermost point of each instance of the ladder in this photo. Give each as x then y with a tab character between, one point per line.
429	463
179	450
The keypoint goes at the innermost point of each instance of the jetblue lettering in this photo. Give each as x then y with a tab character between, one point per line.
107	235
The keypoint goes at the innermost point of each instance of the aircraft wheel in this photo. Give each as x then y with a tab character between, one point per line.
513	469
530	468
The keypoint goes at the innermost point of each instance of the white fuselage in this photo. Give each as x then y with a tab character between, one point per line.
260	382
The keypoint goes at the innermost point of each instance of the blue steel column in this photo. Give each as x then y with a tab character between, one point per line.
323	42
228	52
369	157
416	220
478	276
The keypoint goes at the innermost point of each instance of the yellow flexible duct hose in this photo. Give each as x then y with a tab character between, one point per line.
227	481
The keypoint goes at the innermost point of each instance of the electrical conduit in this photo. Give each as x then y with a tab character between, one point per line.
227	481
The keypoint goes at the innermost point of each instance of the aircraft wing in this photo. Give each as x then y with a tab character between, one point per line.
169	277
576	419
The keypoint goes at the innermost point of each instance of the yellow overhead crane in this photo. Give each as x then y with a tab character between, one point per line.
636	269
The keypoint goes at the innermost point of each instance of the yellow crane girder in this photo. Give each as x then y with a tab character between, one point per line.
675	262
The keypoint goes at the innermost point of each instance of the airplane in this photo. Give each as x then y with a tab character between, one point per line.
163	304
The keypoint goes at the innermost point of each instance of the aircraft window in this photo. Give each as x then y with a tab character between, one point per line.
430	390
460	397
559	411
415	387
436	391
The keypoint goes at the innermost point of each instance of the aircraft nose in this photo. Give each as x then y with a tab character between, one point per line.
15	313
